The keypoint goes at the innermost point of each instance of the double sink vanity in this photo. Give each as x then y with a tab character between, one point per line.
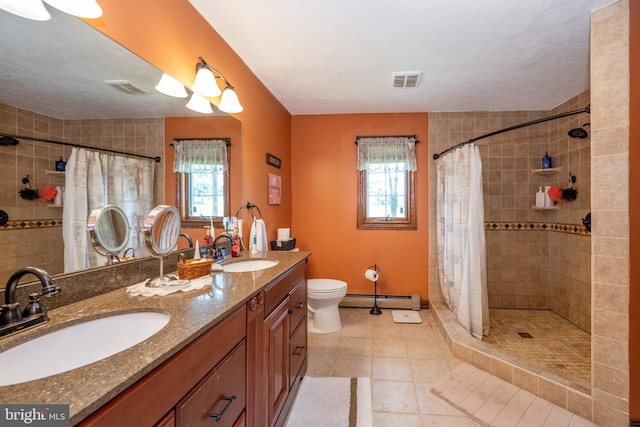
232	352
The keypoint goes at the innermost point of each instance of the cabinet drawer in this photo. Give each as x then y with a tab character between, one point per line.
279	290
298	304
297	351
219	398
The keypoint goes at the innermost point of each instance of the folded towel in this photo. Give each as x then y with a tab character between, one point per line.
259	230
141	289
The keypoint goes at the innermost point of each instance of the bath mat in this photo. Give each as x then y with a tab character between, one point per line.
406	316
332	402
492	401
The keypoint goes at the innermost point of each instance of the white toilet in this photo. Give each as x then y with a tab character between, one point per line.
324	297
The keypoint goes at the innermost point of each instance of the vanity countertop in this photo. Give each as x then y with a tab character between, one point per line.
192	313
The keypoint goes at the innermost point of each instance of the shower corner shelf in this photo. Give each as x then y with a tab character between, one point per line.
547	171
59	173
545	208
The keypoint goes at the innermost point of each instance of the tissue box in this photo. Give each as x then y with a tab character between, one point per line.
283	245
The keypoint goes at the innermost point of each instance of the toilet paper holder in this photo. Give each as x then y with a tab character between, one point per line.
375	310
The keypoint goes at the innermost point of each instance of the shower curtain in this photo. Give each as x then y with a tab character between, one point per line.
95	179
460	238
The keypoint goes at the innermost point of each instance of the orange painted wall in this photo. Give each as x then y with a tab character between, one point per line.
172	37
203	127
324	204
634	213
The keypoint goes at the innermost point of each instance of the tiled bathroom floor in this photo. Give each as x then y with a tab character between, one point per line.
402	360
556	345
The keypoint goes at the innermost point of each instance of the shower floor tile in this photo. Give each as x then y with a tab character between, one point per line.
556	345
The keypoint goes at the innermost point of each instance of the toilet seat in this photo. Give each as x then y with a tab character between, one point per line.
321	286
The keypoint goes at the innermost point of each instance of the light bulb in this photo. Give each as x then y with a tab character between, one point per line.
205	83
199	104
229	102
172	87
80	8
30	9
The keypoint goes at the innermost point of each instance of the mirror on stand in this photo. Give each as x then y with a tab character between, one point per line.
161	232
109	230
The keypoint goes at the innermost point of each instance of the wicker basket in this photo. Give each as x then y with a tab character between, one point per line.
194	268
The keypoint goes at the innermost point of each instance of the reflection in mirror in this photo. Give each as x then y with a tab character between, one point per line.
161	233
53	86
109	231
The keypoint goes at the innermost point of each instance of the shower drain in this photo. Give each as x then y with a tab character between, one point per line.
525	335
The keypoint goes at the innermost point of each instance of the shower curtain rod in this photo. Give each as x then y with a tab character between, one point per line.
521	125
50	141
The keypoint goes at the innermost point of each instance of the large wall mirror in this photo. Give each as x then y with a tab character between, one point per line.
64	80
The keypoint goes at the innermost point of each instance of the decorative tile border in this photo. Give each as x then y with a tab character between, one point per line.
24	224
537	226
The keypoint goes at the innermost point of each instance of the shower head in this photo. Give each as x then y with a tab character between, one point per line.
580	132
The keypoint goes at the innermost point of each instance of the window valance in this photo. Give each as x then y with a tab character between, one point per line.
397	153
200	155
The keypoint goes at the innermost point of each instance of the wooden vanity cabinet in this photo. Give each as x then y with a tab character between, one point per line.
281	360
246	369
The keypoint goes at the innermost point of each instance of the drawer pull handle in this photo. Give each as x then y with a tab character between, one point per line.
300	305
289	311
230	399
298	351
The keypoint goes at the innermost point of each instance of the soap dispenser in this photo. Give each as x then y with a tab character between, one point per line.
540	198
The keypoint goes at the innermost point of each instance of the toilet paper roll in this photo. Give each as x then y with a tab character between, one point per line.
371	275
284	234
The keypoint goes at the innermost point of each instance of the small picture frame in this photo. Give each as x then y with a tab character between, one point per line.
275	189
273	160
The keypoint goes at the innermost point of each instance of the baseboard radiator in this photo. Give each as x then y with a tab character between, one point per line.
404	302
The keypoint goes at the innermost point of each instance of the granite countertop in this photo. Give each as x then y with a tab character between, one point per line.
192	313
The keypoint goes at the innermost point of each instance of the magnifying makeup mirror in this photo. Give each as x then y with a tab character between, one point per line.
108	229
161	232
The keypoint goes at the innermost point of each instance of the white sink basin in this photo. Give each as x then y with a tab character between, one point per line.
249	265
77	345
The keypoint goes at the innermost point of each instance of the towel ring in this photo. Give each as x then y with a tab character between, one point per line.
250	208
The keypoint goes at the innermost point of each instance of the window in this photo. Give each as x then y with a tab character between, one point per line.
386	183
203	191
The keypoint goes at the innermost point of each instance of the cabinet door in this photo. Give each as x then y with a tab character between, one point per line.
277	358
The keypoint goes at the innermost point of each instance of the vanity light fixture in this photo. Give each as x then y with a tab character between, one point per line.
199	104
205	85
30	9
34	9
172	87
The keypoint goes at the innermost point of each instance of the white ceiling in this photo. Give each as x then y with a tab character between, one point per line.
322	57
337	56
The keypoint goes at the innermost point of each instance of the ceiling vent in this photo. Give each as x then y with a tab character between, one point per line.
406	78
126	86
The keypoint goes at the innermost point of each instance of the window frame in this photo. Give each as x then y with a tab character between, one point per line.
182	197
376	223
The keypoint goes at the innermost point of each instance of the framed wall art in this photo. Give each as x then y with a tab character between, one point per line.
275	188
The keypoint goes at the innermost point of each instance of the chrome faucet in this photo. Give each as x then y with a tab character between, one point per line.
186	236
11	318
220	252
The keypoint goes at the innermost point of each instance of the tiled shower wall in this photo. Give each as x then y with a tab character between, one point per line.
536	259
34	233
